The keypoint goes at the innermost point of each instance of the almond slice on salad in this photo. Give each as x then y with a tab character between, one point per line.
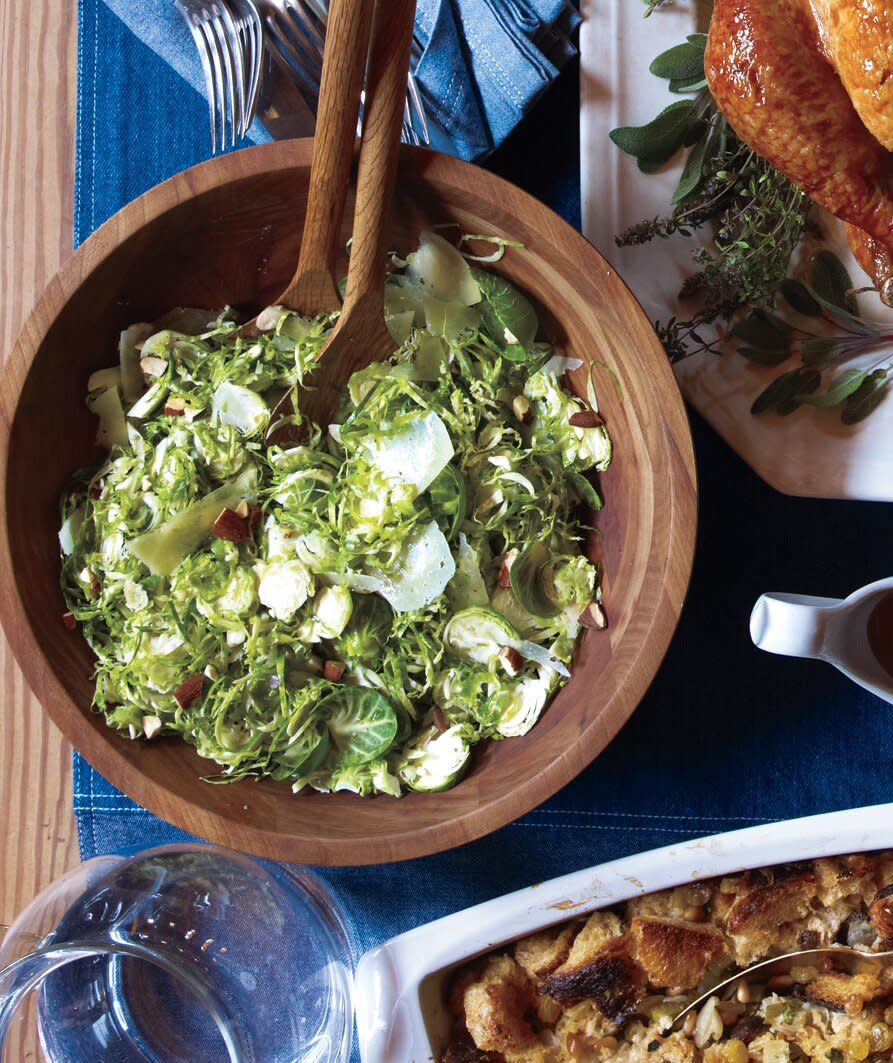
585	419
231	526
189	691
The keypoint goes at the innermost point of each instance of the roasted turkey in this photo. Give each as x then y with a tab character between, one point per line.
809	86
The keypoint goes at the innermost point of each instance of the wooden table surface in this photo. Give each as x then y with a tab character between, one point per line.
37	49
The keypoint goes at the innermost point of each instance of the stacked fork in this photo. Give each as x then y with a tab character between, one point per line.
229	38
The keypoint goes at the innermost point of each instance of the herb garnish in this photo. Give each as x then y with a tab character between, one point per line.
758	218
759	215
770	340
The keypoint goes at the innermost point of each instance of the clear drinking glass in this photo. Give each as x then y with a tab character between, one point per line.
180	954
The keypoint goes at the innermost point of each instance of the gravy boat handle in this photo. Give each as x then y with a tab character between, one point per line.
791	624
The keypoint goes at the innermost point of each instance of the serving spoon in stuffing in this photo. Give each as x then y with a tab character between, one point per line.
825	960
360	335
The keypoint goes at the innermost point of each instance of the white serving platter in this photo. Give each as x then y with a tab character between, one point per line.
401	1016
807	453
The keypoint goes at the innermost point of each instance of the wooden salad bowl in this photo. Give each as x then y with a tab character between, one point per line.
224	233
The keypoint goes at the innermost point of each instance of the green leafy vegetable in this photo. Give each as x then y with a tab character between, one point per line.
508	315
770	340
329	613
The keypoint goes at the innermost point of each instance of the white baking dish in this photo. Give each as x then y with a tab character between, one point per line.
400	1012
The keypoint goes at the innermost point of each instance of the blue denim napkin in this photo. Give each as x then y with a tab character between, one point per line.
484	62
726	736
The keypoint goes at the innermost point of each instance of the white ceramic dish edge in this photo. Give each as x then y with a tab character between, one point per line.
397	987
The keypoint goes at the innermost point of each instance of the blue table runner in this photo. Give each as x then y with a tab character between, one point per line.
726	736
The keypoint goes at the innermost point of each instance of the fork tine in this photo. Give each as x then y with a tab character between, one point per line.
205	56
228	77
304	49
235	50
219	96
313	20
288	58
254	33
415	96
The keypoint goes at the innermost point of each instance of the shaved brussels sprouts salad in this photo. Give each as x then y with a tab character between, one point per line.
356	610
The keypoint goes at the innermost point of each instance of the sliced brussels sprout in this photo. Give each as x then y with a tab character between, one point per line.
305	753
149	401
527	577
449	500
523	705
467	587
240	407
434	761
284	586
478	634
362	723
331	612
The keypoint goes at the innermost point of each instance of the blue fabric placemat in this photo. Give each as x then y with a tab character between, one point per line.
726	737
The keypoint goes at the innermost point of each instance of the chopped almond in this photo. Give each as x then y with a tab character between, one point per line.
440	721
189	692
230	526
593	617
521	409
333	670
504	579
586	419
151	726
151	365
175	406
242	508
511	660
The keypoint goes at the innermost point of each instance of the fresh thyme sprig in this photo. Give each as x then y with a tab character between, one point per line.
758	215
757	218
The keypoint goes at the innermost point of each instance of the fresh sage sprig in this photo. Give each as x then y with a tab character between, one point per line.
769	339
758	216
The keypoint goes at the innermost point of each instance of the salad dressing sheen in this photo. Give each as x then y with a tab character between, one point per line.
880	632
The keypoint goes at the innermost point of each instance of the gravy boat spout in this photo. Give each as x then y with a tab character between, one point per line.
855	634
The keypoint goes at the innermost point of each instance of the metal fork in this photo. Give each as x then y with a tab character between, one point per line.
250	32
226	44
295	39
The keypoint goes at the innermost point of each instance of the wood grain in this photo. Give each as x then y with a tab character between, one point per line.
312	290
223	232
37	48
360	335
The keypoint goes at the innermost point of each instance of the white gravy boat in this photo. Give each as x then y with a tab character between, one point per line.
827	629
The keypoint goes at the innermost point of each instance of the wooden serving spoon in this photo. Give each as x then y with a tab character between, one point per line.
312	289
360	335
